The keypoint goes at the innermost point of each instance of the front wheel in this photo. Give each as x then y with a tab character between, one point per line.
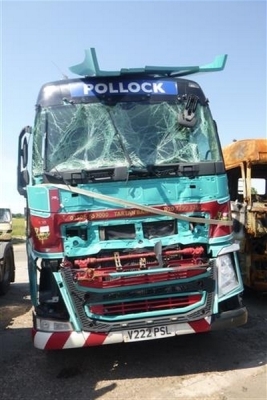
7	272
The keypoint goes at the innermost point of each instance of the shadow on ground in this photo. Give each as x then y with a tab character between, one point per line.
14	304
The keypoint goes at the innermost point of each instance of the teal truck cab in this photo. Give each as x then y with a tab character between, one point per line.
129	230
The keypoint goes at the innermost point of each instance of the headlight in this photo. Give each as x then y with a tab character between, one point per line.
227	280
48	325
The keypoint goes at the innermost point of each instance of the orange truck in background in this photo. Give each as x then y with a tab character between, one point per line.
246	166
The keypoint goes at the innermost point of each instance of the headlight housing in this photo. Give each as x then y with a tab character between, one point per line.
227	278
47	325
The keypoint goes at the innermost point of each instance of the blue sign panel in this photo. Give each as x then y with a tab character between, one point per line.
119	87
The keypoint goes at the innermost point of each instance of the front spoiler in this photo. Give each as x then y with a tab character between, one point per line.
72	339
229	319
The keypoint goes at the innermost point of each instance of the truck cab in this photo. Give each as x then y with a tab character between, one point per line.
129	230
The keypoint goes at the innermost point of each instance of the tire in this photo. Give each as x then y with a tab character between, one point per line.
8	272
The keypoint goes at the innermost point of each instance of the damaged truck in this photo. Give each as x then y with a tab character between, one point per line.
246	166
129	229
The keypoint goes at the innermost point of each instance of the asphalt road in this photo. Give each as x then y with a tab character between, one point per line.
223	365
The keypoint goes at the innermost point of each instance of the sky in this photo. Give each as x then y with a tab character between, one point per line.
40	40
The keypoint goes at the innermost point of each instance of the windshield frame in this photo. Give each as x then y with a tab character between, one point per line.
124	150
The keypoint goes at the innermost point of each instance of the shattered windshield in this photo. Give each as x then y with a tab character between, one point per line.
133	134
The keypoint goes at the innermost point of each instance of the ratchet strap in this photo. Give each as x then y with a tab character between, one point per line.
130	204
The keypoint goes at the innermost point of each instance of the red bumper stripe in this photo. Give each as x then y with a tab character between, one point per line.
57	340
95	339
200	326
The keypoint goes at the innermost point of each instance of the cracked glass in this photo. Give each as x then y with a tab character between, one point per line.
136	134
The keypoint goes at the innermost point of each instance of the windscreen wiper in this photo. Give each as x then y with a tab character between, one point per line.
140	172
179	169
53	177
152	171
73	178
119	173
163	170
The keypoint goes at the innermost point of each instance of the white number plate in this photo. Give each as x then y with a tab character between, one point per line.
156	332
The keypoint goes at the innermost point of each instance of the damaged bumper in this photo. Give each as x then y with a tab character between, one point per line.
73	339
229	319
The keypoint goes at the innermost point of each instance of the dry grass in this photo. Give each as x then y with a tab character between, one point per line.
18	228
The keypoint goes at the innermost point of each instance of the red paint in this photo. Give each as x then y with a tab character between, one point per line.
54	200
200	326
95	339
57	340
46	232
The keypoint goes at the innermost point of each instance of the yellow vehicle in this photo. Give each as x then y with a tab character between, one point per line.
246	165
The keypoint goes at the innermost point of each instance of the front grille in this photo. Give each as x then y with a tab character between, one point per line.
105	279
146	305
106	309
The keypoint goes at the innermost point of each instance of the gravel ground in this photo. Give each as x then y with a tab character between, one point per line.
223	365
